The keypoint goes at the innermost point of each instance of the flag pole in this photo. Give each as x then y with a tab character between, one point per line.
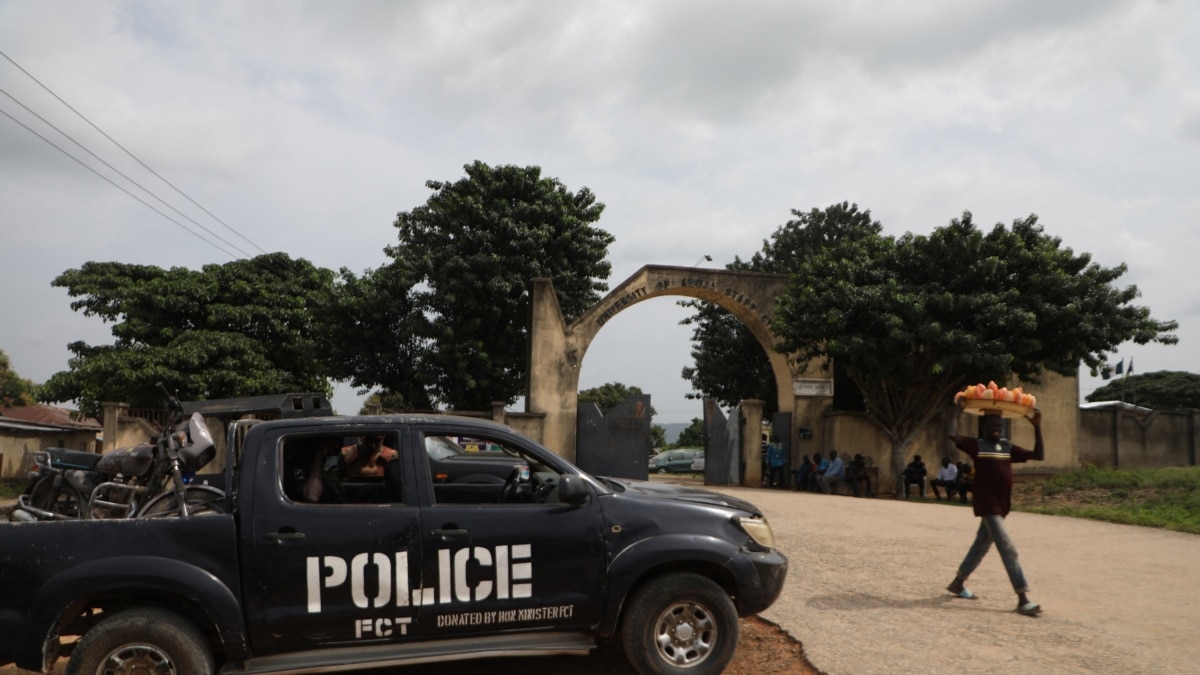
1121	372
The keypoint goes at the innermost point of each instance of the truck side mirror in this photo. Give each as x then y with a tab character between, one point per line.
572	490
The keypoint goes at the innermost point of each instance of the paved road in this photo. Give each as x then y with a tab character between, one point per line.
865	592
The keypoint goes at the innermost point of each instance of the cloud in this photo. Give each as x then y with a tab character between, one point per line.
306	126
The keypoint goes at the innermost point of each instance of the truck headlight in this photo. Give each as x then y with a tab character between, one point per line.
759	530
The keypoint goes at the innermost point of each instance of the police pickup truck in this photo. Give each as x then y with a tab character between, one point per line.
392	566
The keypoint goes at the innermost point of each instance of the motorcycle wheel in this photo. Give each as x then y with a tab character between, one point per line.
143	640
201	500
63	500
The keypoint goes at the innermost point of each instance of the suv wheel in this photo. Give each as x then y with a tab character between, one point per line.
680	623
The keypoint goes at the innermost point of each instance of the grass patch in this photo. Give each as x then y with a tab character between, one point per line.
11	488
1167	498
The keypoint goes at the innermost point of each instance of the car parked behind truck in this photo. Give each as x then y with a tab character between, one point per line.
684	460
313	569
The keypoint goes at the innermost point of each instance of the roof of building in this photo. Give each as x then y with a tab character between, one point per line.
48	416
1110	405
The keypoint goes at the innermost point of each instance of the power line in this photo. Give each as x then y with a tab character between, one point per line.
122	189
131	155
118	172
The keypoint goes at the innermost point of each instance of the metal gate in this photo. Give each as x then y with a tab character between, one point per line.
722	448
616	444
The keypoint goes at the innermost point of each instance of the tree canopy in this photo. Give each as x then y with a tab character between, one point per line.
694	436
610	395
371	334
466	258
913	319
239	329
1159	390
15	391
729	363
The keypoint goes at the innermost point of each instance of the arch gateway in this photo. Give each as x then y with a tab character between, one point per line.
557	349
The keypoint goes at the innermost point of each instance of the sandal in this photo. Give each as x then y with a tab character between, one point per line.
1029	609
961	592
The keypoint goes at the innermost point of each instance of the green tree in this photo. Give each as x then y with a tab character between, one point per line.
370	334
1160	390
384	403
238	329
15	391
730	365
916	318
658	438
471	252
693	436
610	395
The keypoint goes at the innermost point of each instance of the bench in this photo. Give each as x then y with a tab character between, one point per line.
845	487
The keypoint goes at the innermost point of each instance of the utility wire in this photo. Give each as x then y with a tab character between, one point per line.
119	173
269	266
127	152
122	189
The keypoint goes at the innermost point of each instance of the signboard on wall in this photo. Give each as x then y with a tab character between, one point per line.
811	386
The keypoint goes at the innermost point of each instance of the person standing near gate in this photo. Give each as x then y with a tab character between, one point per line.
776	463
994	457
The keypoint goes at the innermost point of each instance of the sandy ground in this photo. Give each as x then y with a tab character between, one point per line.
865	591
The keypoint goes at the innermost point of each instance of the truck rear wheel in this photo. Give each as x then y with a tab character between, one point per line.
142	640
680	623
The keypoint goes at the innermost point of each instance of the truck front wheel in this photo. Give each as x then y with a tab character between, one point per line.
142	641
680	623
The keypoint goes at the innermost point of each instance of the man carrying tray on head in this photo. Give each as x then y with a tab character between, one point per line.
993	497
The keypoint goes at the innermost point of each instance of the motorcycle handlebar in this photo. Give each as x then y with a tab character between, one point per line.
172	400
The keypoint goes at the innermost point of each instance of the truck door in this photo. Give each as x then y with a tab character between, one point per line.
331	554
501	553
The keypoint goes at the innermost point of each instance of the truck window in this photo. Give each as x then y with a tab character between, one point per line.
481	470
337	469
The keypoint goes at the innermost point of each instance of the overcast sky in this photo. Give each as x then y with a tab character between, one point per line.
306	126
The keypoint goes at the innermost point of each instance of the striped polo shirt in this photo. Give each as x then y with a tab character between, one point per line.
993	473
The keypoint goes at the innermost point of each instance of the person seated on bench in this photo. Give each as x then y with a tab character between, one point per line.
914	474
836	473
820	465
368	457
803	473
966	480
857	473
947	477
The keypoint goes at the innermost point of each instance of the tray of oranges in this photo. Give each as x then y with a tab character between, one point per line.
990	399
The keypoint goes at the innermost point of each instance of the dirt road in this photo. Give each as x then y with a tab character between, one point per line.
865	592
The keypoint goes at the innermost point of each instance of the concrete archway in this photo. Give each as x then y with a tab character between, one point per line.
557	348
